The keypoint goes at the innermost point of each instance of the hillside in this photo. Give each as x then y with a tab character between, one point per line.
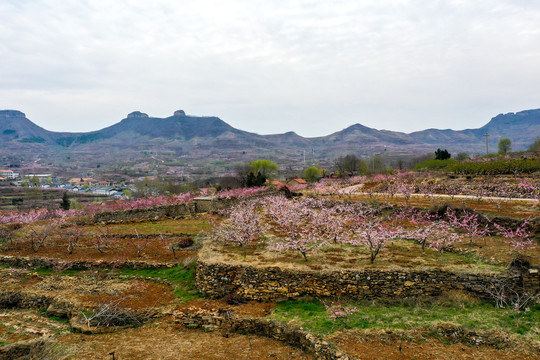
204	139
522	128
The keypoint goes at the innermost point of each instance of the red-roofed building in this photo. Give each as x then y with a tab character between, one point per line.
8	174
82	181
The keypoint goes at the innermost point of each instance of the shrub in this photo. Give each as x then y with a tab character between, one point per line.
496	167
435	164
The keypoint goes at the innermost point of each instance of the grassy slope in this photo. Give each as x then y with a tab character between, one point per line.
469	314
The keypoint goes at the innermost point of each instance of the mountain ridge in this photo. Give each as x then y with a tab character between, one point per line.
198	137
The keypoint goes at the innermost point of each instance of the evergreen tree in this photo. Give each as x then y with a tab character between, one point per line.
65	204
255	180
442	154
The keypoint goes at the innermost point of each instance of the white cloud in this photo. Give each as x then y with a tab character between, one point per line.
311	66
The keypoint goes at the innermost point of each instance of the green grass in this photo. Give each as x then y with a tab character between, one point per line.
183	277
43	312
50	272
472	315
435	164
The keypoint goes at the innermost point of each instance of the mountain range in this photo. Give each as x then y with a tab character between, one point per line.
195	138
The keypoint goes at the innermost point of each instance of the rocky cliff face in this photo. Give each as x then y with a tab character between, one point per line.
137	114
8	114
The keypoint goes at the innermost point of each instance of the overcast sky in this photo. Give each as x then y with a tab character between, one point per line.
266	66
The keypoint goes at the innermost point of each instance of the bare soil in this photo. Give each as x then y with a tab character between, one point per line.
134	294
120	249
517	209
400	254
390	347
248	309
123	247
164	340
496	249
140	295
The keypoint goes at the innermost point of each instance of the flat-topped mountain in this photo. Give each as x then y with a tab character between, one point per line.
15	127
195	137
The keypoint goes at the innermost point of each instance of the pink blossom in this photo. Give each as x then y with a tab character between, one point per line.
520	238
468	222
374	235
244	225
241	192
298	228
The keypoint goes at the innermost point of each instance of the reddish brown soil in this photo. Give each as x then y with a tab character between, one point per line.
132	294
120	249
142	295
122	241
15	282
164	340
509	208
249	309
388	348
495	248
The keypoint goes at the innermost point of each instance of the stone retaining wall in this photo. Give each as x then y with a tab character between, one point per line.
30	300
28	349
155	213
223	320
294	336
271	283
36	262
198	205
505	221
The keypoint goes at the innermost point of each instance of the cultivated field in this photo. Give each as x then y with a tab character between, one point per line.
217	284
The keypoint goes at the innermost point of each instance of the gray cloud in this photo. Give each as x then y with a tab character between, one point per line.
311	66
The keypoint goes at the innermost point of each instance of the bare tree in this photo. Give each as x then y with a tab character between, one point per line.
36	234
140	243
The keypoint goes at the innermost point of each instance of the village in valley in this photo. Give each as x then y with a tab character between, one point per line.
269	180
331	263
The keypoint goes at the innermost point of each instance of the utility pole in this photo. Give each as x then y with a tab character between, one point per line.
487	149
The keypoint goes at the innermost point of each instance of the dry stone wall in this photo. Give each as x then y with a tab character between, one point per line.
199	205
155	213
274	329
36	262
271	283
28	349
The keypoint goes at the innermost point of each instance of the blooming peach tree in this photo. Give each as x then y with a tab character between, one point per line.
520	238
298	228
243	226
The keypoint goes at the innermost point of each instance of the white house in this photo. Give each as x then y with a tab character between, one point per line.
8	174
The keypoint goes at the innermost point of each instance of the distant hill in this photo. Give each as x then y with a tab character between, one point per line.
522	128
15	127
140	136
